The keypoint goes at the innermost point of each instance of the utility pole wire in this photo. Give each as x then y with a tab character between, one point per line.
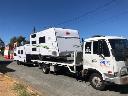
112	17
87	13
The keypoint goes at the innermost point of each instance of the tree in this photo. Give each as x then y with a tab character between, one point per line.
12	41
20	41
2	45
26	42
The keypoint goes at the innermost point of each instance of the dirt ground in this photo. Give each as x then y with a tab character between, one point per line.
10	87
6	86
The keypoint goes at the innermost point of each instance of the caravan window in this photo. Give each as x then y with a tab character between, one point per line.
33	35
18	51
33	42
33	49
21	51
42	39
14	54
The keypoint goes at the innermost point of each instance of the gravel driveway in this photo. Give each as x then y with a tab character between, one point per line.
60	85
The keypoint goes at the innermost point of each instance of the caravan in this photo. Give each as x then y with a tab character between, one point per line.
22	53
55	42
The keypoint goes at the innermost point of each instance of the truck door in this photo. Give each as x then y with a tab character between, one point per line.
101	58
87	54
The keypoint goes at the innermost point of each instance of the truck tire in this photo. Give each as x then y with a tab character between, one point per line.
45	69
97	82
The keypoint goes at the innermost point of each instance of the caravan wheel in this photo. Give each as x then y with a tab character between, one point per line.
45	69
18	63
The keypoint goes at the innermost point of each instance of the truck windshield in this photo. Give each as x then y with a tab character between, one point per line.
119	48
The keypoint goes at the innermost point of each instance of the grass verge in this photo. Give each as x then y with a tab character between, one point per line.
23	91
2	58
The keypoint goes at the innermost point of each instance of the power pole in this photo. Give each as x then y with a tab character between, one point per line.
34	29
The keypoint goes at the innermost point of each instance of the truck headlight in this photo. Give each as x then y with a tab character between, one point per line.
124	71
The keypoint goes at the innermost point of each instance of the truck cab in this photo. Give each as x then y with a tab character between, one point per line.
106	59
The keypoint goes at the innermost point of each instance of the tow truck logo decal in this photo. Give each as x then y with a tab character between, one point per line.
105	63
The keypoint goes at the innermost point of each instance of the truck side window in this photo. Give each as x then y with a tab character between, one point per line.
88	48
95	47
100	47
42	39
18	51
21	51
105	49
33	42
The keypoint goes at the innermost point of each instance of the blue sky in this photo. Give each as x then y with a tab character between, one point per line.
105	17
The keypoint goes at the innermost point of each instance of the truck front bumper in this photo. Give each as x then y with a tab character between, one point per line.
118	80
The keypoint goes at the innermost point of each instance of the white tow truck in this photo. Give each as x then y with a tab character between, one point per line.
101	59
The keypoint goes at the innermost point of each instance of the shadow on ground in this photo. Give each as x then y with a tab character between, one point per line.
122	89
3	67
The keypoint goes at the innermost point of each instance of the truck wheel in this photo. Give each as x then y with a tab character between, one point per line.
97	82
45	69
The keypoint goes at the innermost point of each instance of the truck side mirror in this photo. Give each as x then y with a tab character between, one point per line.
82	40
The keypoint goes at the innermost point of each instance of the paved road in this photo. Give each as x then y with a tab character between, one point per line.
59	85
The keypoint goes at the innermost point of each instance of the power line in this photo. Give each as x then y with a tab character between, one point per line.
112	17
87	13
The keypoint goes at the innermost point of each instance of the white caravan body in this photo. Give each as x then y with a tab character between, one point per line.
21	52
16	57
55	42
